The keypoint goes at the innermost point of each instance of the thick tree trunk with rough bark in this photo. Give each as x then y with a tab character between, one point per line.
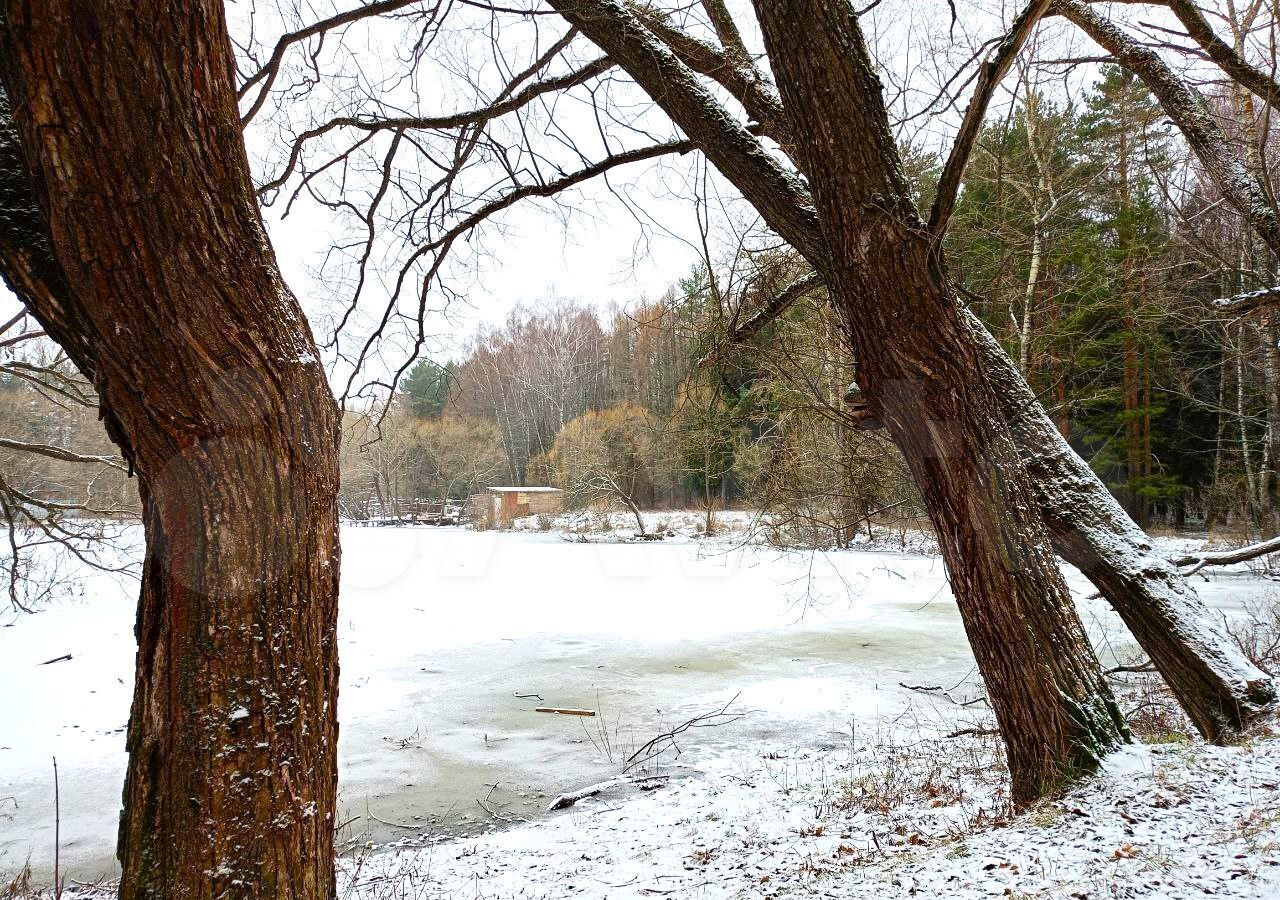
1221	691
1054	707
204	360
27	263
920	369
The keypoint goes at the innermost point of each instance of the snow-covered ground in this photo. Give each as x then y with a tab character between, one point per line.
450	638
810	819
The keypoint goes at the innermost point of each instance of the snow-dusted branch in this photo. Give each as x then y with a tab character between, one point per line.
1198	561
1250	301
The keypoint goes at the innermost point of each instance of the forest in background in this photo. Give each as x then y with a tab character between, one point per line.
1090	245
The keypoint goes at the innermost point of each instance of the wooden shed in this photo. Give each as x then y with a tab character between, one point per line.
498	507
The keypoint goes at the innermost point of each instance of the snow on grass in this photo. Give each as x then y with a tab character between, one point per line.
847	819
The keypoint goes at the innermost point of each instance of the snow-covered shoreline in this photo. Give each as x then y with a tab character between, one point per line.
1167	821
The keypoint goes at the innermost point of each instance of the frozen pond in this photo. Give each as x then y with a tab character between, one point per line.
450	637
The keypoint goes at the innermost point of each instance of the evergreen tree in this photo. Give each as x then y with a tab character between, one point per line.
427	388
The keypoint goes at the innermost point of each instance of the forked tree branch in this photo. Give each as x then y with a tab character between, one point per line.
271	69
990	74
736	74
469	118
725	28
776	193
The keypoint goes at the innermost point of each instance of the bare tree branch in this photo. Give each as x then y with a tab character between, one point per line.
990	74
61	453
271	69
437	123
776	193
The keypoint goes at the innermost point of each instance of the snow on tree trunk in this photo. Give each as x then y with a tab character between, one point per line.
1218	687
209	371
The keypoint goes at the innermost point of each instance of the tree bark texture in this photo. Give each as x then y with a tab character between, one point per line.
1217	686
1221	691
27	263
919	367
128	123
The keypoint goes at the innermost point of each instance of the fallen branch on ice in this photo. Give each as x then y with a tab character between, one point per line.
1198	561
565	711
656	746
939	689
564	801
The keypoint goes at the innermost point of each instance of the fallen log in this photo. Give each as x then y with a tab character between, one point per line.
564	801
645	783
1198	561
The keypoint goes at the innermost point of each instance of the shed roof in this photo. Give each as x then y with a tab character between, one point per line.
524	490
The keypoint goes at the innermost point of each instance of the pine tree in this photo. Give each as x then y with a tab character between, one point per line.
427	388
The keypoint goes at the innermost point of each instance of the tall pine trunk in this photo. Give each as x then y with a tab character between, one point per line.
203	359
920	369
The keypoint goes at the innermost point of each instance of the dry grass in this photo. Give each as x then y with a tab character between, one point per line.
906	789
19	887
1257	634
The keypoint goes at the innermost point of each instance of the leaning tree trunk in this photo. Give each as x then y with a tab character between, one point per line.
920	369
1054	706
204	360
1221	691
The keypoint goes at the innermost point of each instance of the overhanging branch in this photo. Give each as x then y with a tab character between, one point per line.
990	75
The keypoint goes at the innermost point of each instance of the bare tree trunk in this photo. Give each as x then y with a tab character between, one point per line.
1043	194
920	369
1134	501
1218	687
1028	303
1213	512
1271	371
203	357
1246	449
